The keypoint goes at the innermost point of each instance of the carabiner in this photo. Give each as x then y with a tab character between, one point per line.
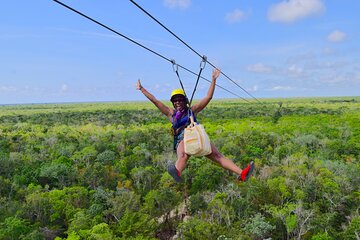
174	65
203	62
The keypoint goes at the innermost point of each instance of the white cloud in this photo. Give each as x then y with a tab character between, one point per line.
235	16
328	51
321	65
19	36
157	86
113	36
341	79
336	36
64	88
7	89
356	78
23	89
183	4
293	10
281	88
161	87
259	68
253	88
293	69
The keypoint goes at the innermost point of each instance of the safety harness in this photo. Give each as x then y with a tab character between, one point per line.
184	121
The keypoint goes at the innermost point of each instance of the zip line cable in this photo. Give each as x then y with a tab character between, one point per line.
140	45
175	68
167	29
110	29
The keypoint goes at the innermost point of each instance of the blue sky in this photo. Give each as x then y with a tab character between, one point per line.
294	48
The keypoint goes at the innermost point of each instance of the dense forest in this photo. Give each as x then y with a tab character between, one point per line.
98	171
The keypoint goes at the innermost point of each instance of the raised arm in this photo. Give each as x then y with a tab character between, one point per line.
161	106
196	108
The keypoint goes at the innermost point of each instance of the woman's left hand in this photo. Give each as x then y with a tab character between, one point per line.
215	73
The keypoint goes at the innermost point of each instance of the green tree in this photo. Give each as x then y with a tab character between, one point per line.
321	236
13	228
80	222
198	229
161	201
279	189
205	176
197	203
286	215
144	179
123	201
101	231
219	212
57	173
135	224
85	157
258	227
352	231
107	157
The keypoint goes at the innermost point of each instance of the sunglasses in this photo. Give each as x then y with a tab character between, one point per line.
178	100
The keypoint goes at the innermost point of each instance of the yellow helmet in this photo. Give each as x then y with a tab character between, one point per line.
177	92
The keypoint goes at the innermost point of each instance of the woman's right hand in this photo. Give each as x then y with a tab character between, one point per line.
138	85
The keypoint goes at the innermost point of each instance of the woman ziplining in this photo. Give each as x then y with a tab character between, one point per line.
179	116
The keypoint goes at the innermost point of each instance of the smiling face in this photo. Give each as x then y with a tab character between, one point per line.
179	102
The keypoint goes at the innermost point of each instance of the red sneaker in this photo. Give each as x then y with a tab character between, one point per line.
246	173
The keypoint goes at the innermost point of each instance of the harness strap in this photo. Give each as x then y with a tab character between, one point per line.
202	66
178	130
176	68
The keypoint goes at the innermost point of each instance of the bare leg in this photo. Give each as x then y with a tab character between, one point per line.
224	162
182	157
216	157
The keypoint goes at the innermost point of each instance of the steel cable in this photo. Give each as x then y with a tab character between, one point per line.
142	46
172	33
